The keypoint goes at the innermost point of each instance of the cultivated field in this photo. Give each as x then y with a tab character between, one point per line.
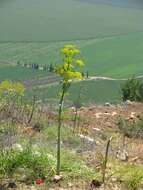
91	92
62	20
110	38
117	56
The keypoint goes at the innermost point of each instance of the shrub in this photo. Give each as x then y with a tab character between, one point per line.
134	181
131	176
132	90
34	163
131	130
11	89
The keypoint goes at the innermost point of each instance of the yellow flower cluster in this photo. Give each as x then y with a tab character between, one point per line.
80	63
70	50
68	70
8	87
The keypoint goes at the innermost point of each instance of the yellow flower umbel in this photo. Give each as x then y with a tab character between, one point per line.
69	71
11	88
11	93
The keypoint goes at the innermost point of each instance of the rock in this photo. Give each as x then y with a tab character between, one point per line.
98	115
24	179
88	139
134	159
57	178
128	102
122	155
114	113
114	179
17	147
70	184
96	129
33	188
106	113
108	104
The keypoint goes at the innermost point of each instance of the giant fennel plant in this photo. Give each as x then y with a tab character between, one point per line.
69	71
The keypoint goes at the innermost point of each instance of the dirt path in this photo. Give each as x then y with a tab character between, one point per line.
7	62
110	78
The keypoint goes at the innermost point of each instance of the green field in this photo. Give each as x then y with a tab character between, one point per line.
91	92
54	20
17	73
110	38
117	56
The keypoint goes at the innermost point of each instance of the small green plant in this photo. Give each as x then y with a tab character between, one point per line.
130	175
11	94
77	105
131	130
134	182
105	160
69	71
33	163
11	89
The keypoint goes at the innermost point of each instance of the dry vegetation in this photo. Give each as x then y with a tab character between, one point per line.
85	142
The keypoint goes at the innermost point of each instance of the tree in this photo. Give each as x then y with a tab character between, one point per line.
51	68
132	90
68	71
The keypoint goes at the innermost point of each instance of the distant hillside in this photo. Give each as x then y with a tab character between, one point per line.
121	3
62	20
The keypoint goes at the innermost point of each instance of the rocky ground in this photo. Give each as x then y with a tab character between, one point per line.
95	126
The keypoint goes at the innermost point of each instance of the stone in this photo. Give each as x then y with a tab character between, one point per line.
24	179
107	104
128	102
70	184
17	147
57	178
122	155
86	138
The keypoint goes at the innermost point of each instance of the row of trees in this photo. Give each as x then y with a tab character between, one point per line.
47	67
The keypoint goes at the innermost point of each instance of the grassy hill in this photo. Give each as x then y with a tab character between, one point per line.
92	92
110	37
116	56
32	20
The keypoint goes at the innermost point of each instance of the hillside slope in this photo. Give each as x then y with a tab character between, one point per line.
54	20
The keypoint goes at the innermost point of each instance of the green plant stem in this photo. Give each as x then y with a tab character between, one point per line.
33	109
75	120
59	132
106	159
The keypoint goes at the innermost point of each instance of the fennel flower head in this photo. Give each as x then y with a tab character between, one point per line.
70	69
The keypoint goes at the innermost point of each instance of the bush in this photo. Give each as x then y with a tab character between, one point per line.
131	130
32	162
131	176
134	182
132	90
